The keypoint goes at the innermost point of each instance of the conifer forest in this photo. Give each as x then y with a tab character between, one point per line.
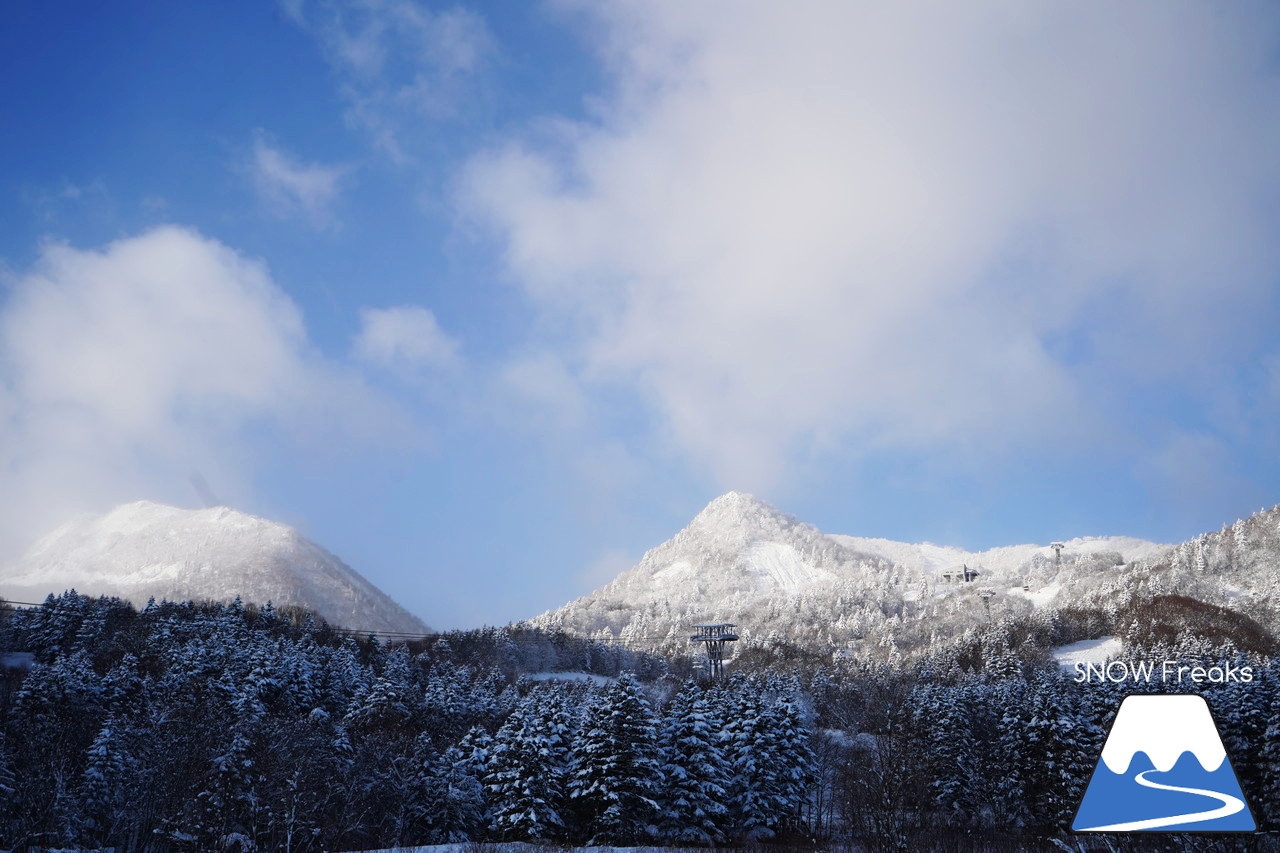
198	727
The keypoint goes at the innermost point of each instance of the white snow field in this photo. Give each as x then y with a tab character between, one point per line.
1099	651
1042	597
784	566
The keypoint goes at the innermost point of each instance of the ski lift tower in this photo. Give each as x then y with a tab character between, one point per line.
715	636
986	595
1057	552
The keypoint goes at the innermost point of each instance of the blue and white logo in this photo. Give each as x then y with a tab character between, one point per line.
1164	768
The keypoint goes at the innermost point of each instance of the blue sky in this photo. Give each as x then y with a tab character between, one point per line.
490	298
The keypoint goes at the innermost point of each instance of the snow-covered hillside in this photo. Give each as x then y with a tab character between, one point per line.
144	549
737	554
742	561
1005	560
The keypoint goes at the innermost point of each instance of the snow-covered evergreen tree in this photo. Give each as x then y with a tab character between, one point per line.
693	771
520	780
426	794
109	786
757	798
615	774
1061	746
231	803
461	814
943	721
1269	761
795	758
343	675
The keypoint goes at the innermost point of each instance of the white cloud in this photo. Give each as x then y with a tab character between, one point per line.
868	225
407	338
292	188
125	369
544	390
399	62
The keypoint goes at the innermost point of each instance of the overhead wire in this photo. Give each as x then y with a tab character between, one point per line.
411	635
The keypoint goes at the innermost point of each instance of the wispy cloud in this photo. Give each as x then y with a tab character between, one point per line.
292	188
858	226
398	62
54	206
406	338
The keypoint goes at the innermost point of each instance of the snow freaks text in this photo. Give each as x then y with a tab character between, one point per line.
1169	672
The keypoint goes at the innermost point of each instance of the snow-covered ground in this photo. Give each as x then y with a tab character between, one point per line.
1039	597
783	564
569	676
1099	650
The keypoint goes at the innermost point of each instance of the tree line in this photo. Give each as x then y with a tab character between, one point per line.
208	727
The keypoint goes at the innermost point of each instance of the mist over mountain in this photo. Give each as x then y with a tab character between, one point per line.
780	579
143	550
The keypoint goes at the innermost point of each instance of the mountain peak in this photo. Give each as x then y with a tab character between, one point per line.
740	505
145	549
737	500
143	509
738	516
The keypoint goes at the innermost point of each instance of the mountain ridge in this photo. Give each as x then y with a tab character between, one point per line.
741	560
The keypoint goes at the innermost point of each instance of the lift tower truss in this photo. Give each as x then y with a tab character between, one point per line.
715	636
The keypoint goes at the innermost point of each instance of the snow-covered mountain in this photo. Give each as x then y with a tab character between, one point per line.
742	561
145	549
735	553
1005	560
